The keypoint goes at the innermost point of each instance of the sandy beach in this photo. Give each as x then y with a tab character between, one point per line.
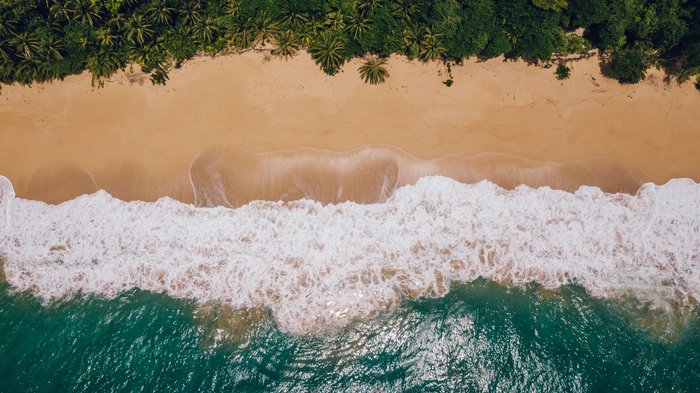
272	129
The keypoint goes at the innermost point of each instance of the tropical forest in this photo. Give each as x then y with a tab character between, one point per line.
43	40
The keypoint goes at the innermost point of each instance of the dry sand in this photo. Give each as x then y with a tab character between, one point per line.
508	122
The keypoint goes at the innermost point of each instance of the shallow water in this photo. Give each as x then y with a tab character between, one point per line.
232	177
479	337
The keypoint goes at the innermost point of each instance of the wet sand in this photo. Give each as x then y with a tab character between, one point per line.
253	128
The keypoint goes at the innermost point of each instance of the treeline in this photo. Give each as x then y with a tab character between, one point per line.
41	40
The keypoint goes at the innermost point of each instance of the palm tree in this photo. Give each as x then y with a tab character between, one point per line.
431	47
159	75
26	71
45	71
310	32
117	21
357	24
141	56
373	71
84	11
161	12
366	7
243	38
51	48
4	50
26	45
287	44
106	37
150	57
138	30
293	18
191	12
206	29
7	26
233	7
54	24
59	9
328	51
335	20
404	9
411	41
263	28
102	65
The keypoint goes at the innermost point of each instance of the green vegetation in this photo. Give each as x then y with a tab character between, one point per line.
42	40
562	72
373	71
627	65
328	50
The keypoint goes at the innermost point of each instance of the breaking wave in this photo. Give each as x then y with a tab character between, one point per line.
316	265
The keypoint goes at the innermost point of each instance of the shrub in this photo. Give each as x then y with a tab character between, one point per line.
563	72
627	65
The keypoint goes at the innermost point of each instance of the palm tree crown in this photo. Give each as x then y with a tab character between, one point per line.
161	12
357	24
431	46
373	70
263	27
26	44
138	30
287	44
328	50
84	11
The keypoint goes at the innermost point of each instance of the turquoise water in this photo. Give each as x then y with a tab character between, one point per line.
480	337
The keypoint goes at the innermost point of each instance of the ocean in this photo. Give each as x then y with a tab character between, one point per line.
443	286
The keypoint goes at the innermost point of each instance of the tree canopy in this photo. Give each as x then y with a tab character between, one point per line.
41	40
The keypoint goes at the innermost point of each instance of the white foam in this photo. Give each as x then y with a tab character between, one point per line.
316	265
7	194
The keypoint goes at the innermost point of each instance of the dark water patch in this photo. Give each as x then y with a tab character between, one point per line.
480	337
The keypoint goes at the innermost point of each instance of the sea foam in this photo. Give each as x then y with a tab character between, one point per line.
323	266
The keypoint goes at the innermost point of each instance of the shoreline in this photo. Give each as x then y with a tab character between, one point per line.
149	136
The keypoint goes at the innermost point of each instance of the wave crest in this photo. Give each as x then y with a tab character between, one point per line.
316	265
